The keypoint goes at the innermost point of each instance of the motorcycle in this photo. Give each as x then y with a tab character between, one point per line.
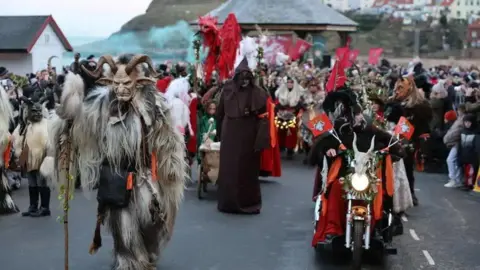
361	186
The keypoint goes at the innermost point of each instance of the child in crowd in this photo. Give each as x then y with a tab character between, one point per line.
469	149
207	124
452	140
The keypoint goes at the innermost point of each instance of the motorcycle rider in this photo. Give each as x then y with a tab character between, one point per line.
347	119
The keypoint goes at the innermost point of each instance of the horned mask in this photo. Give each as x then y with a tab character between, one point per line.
361	159
124	78
34	108
404	87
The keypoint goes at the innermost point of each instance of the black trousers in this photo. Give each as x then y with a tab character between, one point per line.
409	161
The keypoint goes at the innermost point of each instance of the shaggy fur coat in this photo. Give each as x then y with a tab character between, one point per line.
97	136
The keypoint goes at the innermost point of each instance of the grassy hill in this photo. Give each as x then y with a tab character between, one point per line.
166	12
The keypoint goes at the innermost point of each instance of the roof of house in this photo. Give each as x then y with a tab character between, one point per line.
20	33
281	12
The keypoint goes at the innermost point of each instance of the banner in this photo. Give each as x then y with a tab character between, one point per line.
284	44
374	56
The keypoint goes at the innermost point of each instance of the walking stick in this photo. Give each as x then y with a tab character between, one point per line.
65	195
196	48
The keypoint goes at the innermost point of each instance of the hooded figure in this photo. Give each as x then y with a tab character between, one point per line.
243	132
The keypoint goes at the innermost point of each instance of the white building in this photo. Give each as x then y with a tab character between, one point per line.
341	5
26	43
464	9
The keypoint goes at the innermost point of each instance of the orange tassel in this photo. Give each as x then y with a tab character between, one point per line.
6	154
130	181
154	167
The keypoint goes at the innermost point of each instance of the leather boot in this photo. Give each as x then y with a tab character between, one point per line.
33	193
44	203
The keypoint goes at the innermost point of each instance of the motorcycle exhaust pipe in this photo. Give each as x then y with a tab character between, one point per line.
348	231
367	229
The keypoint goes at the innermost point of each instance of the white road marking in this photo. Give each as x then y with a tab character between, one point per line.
416	189
428	257
414	235
460	216
404	218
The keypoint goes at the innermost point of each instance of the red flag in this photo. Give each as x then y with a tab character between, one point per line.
337	77
374	55
320	124
404	128
352	57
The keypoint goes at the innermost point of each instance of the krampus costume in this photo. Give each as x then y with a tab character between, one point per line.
127	145
418	111
30	144
7	206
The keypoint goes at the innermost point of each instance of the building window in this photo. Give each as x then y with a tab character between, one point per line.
466	2
47	38
474	34
459	14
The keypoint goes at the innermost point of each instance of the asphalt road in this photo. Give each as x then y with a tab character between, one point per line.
442	233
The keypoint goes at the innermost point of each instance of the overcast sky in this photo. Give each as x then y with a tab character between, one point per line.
98	18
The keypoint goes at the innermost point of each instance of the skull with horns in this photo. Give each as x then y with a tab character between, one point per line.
362	159
126	74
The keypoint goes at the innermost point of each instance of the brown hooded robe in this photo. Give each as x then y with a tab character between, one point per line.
243	134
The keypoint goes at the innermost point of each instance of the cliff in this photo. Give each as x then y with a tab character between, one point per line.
166	12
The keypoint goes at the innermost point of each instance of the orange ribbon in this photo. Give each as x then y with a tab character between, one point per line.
153	166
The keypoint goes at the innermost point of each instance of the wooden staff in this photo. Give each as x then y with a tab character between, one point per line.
65	155
196	48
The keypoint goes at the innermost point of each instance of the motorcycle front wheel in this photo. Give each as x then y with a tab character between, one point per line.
357	252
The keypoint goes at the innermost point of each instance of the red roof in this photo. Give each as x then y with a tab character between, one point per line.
50	21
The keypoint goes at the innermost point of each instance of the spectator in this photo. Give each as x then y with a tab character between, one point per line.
469	149
452	140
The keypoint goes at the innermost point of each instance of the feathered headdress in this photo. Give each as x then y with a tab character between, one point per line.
248	49
178	88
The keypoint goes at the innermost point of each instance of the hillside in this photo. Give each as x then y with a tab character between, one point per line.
166	12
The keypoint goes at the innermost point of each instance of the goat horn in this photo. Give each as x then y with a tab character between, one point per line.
105	59
354	143
138	59
49	62
372	145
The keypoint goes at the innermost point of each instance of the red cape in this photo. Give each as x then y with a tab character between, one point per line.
270	160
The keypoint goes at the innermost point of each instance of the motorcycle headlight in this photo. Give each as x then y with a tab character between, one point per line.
360	182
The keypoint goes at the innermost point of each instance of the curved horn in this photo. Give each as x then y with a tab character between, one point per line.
372	144
138	59
49	62
105	59
354	143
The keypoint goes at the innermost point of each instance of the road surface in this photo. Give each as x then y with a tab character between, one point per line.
442	233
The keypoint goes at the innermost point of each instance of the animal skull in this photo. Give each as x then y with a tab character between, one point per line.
125	79
360	158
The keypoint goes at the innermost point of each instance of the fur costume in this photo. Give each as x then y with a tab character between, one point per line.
7	206
123	136
30	144
289	98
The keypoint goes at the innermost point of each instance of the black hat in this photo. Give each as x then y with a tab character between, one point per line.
3	71
90	57
345	96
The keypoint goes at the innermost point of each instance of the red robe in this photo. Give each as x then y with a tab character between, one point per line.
270	164
192	142
163	84
288	138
